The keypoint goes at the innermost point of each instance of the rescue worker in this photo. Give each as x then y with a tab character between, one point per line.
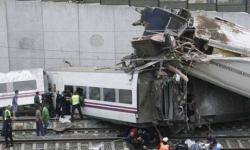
163	144
75	101
59	104
132	136
214	145
2	110
63	104
8	127
14	104
49	99
181	146
67	97
39	121
45	117
37	99
196	146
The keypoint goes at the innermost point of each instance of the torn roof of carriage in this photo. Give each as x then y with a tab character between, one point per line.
223	34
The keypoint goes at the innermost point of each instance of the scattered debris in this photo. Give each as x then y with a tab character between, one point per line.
61	127
175	41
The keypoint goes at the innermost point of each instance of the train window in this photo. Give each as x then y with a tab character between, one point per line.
3	87
24	85
109	94
125	96
82	90
94	93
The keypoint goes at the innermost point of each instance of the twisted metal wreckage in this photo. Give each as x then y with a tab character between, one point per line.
199	67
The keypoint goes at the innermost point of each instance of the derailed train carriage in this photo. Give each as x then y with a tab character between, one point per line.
143	97
27	82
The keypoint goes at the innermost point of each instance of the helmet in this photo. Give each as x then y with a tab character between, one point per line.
165	139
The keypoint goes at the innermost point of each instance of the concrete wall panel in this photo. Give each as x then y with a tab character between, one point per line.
4	57
61	41
92	19
97	41
4	64
24	16
58	62
3	45
60	17
25	37
60	34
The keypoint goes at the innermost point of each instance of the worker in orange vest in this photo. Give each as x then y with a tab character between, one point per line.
163	144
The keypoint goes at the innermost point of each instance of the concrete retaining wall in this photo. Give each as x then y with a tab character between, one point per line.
45	34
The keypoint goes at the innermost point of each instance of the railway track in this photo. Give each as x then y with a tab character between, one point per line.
73	138
23	132
106	143
29	123
86	134
81	137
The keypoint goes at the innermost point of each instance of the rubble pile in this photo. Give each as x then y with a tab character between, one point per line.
178	42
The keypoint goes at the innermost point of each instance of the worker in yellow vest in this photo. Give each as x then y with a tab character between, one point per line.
75	101
8	127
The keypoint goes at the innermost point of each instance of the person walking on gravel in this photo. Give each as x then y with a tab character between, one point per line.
45	117
39	121
8	127
14	104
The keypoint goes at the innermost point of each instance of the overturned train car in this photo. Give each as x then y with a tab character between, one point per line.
208	52
139	98
142	97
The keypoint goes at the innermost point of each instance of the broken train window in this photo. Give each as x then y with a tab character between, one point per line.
125	96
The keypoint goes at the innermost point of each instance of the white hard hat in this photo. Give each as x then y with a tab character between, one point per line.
177	77
165	139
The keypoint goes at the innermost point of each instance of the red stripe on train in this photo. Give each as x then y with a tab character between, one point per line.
114	109
109	105
20	95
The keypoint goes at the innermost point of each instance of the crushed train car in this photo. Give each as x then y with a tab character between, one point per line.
212	53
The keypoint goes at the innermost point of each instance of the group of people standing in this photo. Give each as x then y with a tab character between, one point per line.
42	119
66	103
45	108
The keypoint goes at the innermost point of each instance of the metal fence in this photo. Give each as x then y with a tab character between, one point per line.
210	5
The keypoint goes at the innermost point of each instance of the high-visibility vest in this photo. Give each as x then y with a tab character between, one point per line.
75	99
163	146
7	114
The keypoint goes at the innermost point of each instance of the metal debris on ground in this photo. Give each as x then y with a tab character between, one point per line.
60	127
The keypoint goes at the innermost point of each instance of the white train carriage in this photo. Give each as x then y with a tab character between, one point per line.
27	82
108	94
